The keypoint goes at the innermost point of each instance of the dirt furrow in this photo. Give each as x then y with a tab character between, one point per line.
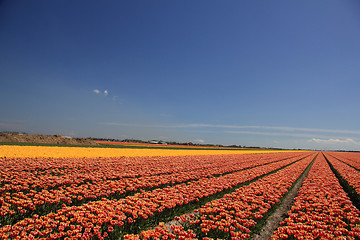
273	222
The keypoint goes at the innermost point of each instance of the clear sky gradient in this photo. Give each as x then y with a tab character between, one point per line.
255	73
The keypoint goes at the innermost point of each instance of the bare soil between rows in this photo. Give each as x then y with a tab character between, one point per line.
273	222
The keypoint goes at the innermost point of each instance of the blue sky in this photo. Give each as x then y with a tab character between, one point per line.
255	73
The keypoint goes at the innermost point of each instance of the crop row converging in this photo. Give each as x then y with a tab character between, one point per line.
215	196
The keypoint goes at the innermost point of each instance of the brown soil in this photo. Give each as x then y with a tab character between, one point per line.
273	222
44	139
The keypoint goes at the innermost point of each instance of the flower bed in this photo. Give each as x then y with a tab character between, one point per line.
322	210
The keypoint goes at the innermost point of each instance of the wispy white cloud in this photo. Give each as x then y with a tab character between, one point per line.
199	140
305	129
313	137
328	138
278	128
271	133
105	92
282	129
324	138
334	140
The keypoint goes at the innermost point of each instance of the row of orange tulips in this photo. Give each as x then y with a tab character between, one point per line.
165	232
24	174
349	174
322	209
350	158
234	215
86	186
104	217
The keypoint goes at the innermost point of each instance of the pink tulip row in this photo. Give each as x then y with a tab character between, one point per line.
89	220
322	209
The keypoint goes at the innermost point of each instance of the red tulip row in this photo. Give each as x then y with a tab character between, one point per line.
322	209
350	174
100	218
350	158
20	202
234	215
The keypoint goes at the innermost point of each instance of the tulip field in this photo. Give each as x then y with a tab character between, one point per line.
104	193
